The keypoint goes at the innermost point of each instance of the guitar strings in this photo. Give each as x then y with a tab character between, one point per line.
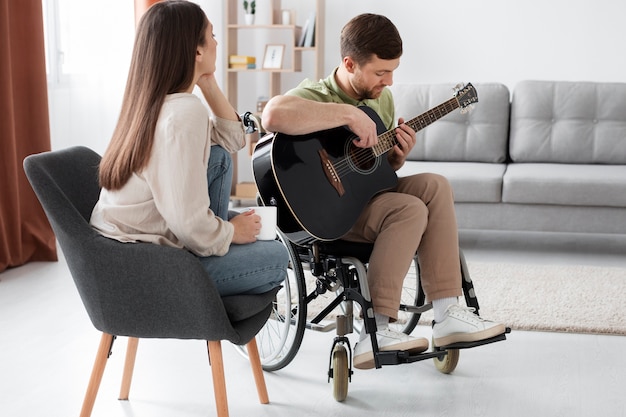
361	156
364	155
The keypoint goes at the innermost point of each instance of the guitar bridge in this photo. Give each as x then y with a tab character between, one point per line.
331	173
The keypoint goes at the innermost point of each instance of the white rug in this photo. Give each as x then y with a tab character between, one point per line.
561	298
575	298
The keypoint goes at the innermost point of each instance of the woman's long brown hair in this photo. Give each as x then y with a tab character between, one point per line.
163	62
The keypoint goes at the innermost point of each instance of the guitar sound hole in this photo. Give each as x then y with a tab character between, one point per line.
361	159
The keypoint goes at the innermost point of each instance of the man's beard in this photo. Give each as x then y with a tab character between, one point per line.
367	94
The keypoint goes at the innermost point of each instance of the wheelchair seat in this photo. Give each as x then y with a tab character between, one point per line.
343	248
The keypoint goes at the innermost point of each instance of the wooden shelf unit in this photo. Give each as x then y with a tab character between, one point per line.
236	30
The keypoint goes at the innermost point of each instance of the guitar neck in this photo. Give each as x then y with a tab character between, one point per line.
388	140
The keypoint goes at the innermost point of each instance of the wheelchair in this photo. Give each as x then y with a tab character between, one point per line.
318	268
339	267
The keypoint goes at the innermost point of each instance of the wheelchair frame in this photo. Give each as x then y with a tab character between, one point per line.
340	267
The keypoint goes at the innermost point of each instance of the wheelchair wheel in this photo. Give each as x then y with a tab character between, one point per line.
412	295
279	340
340	372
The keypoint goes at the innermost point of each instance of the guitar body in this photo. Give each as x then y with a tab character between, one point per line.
289	173
321	182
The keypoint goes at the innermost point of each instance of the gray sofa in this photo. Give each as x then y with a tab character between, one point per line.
550	157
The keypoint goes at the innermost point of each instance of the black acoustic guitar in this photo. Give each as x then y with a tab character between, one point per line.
321	181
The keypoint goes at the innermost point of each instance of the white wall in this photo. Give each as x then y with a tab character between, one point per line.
84	107
495	40
444	41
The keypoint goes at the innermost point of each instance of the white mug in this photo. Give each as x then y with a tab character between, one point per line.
268	222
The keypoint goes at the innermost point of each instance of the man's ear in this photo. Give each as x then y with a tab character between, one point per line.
349	63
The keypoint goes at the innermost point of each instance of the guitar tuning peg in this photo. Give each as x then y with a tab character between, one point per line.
467	109
457	87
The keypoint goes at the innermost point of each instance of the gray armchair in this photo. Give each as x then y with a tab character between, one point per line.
139	290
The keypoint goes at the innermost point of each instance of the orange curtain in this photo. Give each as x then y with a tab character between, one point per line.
25	234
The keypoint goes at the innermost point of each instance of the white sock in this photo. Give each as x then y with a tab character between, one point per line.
382	322
441	305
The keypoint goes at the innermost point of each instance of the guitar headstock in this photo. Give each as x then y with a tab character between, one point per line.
466	96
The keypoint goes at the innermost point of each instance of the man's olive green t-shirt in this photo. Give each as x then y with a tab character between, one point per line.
328	91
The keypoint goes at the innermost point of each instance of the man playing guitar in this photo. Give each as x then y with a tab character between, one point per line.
416	216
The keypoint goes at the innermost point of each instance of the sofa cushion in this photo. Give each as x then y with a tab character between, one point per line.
565	184
480	135
568	122
473	182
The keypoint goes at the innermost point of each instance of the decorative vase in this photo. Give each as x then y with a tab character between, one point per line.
249	18
286	17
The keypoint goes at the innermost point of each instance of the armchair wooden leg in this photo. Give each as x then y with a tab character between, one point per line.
129	366
257	371
106	341
219	381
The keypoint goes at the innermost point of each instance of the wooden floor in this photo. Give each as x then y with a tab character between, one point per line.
47	346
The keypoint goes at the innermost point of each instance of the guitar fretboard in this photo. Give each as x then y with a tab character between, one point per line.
388	140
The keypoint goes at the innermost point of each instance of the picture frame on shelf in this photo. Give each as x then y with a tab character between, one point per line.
273	58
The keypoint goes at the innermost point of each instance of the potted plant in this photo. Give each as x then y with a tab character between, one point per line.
249	9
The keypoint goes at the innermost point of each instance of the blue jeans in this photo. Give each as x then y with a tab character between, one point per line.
246	269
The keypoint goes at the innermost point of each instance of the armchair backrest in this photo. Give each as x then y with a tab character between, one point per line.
133	289
66	183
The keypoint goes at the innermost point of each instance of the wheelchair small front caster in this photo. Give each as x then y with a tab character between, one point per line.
340	372
447	363
339	368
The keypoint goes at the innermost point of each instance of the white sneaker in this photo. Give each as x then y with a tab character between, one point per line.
462	325
387	340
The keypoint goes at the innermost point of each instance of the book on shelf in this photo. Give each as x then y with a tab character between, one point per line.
303	33
242	66
241	59
298	34
309	37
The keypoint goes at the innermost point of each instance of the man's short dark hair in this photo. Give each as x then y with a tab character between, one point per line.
370	34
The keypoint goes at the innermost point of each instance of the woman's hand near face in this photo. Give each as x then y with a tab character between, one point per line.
247	227
215	98
207	81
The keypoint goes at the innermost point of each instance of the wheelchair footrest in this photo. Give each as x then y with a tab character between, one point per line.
467	345
397	357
